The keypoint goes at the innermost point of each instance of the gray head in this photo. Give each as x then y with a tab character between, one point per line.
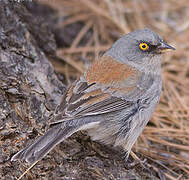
141	49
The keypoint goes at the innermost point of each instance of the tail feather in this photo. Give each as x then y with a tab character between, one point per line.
45	143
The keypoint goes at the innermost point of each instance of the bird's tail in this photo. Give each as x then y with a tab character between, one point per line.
45	143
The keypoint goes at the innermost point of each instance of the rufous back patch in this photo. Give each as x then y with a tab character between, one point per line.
107	71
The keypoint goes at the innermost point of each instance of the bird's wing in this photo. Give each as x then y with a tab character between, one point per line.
97	92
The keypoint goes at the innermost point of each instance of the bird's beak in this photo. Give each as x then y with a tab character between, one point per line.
165	47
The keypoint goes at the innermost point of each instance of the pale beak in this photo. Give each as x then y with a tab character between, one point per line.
165	47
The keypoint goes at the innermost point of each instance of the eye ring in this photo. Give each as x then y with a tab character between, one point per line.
143	46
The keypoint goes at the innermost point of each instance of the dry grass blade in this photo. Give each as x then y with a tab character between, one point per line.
27	170
67	59
84	49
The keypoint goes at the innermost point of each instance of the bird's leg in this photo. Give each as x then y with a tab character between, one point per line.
137	162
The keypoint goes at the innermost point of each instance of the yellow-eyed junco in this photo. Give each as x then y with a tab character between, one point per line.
113	100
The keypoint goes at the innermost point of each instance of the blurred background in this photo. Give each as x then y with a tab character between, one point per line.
84	29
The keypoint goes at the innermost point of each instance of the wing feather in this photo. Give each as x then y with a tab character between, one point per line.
88	102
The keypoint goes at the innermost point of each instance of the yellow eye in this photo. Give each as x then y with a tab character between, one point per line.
143	46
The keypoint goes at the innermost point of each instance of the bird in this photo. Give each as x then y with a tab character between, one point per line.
113	100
